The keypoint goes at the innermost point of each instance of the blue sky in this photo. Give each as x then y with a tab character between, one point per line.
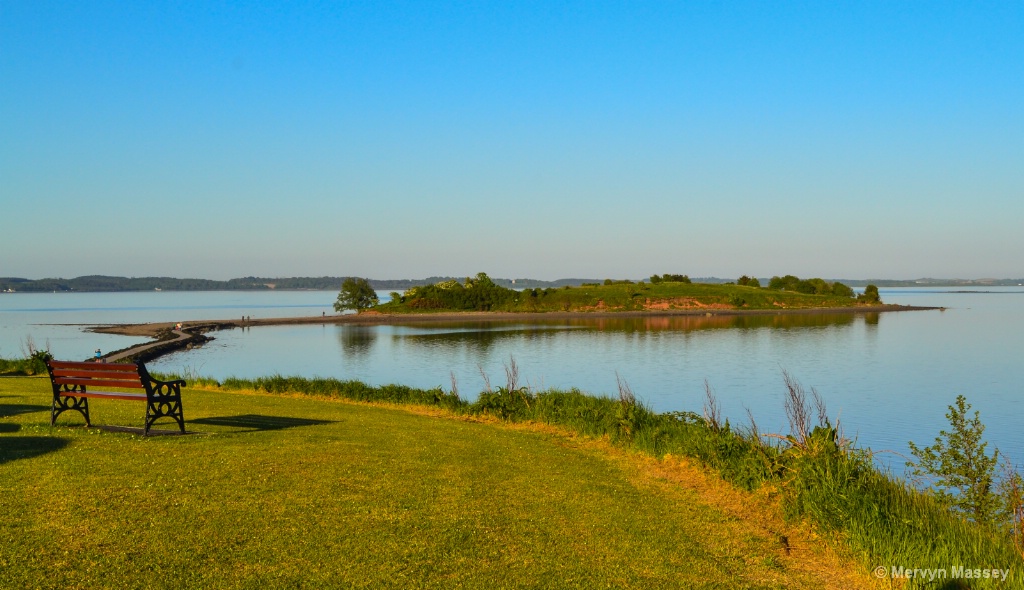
545	140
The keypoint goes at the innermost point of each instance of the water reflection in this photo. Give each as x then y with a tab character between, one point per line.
483	336
479	339
717	322
357	341
587	352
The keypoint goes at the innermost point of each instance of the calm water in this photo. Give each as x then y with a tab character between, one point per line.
889	377
58	319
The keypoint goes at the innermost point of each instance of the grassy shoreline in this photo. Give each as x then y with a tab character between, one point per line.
818	477
301	491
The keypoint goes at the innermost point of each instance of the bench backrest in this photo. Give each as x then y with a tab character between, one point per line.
95	374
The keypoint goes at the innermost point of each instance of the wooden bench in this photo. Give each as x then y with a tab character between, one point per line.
73	385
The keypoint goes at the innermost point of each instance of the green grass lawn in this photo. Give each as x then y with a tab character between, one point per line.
275	491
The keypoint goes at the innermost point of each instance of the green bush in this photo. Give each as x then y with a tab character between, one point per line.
815	286
841	290
476	294
33	364
961	472
870	295
748	281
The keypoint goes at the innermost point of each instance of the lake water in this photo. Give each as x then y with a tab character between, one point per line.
889	377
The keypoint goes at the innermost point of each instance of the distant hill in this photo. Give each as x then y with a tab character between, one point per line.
934	282
100	283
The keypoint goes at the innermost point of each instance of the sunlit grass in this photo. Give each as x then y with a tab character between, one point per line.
279	491
836	488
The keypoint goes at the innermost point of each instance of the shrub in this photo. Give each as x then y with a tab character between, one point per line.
479	294
748	281
870	295
786	283
963	473
841	290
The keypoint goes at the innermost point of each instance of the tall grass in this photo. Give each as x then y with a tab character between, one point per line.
32	361
820	476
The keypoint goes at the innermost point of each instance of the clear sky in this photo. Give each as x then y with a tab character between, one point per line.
522	139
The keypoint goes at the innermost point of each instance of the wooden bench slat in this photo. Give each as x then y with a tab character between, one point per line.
96	366
95	374
98	382
141	397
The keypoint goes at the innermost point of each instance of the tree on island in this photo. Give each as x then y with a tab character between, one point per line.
355	294
667	277
870	295
748	281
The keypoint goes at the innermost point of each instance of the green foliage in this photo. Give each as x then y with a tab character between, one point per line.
786	283
474	294
356	294
963	474
870	295
814	286
672	278
477	295
507	404
33	363
655	279
352	390
746	281
842	290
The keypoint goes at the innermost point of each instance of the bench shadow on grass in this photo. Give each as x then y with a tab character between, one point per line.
24	447
8	410
256	422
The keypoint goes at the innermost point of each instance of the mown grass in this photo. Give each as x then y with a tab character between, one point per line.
818	477
302	492
638	297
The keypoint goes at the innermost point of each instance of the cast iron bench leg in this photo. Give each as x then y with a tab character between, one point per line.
61	405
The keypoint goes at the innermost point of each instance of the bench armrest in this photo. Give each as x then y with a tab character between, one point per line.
166	387
178	382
